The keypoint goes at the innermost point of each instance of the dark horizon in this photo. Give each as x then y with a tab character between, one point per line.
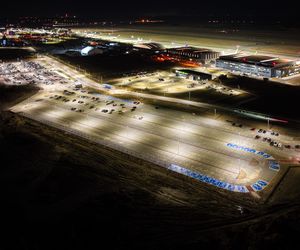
188	20
155	8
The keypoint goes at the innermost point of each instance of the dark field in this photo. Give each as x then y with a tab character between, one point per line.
272	98
14	94
7	54
109	67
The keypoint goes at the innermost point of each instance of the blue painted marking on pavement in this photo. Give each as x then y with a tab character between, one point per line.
209	180
274	165
241	189
262	183
256	187
249	150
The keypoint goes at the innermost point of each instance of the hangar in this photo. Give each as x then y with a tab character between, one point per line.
200	55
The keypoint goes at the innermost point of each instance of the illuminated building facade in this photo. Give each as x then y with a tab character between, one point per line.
258	65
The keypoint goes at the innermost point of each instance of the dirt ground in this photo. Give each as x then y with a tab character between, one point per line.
60	192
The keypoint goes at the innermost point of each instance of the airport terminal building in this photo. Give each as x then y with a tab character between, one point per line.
258	65
200	55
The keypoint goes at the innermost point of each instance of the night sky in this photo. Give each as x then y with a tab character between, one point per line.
134	8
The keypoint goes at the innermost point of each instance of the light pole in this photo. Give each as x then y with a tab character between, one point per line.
239	158
166	91
178	140
239	168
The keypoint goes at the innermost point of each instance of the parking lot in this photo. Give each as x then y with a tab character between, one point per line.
28	72
193	142
164	82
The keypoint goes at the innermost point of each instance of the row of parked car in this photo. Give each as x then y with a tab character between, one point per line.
270	141
265	131
275	143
